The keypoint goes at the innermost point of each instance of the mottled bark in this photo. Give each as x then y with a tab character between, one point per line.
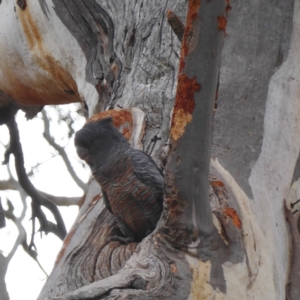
188	165
179	228
236	261
125	54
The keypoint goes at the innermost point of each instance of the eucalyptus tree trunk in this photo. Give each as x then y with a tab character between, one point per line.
223	240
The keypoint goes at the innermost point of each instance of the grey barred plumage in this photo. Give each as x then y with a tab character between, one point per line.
132	184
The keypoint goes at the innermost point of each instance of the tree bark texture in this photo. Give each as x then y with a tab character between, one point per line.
125	54
256	134
176	232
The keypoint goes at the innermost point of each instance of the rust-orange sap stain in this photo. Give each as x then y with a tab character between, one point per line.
122	119
49	82
191	17
222	21
184	105
217	184
232	214
228	7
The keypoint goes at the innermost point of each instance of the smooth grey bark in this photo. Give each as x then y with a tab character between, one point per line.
147	53
256	45
189	160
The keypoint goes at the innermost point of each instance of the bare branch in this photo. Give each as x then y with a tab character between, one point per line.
12	184
61	152
61	200
2	217
21	239
8	185
22	193
22	233
32	244
15	148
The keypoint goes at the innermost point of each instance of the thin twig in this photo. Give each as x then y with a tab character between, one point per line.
32	244
12	184
2	217
21	239
61	152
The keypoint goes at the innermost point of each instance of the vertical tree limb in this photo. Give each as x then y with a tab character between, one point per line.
187	173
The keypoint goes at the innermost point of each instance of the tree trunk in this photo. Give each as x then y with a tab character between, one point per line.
125	54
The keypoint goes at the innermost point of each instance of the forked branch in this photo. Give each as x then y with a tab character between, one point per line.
15	148
21	239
